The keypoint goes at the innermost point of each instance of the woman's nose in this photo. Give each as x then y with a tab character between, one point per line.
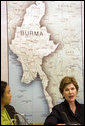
70	91
10	95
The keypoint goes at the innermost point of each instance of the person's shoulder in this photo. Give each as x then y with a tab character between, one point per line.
10	107
59	106
80	104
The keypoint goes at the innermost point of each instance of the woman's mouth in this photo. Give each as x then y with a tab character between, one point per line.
71	97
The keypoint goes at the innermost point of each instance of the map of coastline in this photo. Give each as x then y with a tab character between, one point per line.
48	44
33	45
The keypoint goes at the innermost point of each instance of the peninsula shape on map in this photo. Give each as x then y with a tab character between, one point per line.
31	44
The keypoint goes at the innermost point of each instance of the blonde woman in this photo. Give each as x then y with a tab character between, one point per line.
70	111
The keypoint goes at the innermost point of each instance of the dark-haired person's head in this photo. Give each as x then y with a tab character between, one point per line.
5	93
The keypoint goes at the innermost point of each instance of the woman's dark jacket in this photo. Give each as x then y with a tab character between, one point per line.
62	114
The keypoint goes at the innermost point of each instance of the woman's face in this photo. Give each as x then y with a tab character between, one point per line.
70	93
6	99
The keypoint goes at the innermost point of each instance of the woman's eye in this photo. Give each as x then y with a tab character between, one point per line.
66	90
72	88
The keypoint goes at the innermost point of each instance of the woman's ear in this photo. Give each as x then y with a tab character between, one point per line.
63	97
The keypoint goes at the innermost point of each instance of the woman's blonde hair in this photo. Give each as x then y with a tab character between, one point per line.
66	81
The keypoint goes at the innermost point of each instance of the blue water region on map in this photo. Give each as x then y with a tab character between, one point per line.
27	99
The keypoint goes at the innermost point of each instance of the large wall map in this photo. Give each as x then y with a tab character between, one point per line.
45	44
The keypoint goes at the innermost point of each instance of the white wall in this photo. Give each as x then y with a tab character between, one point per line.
4	64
